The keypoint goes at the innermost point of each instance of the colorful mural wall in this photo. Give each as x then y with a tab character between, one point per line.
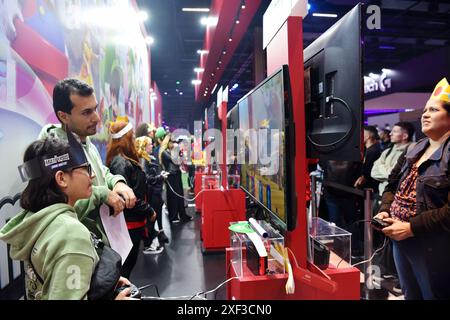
43	41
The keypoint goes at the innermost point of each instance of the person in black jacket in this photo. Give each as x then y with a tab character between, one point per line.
174	186
416	204
122	159
155	178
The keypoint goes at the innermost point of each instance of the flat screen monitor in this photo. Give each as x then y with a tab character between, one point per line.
264	117
334	91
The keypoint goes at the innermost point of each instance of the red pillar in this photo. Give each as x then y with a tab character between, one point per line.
287	48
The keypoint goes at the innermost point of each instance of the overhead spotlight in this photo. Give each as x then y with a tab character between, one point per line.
243	4
196	82
149	40
181	93
165	93
237	22
143	15
195	9
198	70
201	52
224	52
230	39
220	61
212	74
325	15
218	68
209	21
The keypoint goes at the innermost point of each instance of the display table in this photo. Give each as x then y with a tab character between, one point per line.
219	209
272	287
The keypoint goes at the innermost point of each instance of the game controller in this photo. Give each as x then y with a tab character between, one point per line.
135	292
380	224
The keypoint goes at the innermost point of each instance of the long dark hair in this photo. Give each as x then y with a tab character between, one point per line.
43	192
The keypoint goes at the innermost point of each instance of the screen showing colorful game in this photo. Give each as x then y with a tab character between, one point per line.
263	117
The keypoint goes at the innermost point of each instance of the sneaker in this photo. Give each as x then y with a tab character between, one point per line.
153	250
186	218
397	289
162	238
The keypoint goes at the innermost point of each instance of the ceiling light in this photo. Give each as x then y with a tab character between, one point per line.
212	74
149	40
387	47
202	51
209	21
143	15
181	93
325	15
230	39
196	82
243	4
165	93
195	9
220	62
237	22
199	70
224	52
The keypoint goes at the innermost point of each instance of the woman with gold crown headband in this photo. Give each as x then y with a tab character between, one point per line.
122	158
416	205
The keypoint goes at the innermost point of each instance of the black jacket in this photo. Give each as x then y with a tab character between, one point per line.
136	180
168	164
432	188
154	178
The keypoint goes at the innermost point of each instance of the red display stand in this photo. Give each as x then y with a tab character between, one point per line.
286	47
219	208
310	283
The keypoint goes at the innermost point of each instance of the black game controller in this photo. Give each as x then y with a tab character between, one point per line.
380	224
135	293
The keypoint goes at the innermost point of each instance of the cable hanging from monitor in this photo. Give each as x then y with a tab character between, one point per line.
328	100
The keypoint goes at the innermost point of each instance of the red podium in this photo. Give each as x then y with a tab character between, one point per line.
310	283
219	208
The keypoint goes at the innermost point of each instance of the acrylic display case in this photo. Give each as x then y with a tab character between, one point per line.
326	235
244	260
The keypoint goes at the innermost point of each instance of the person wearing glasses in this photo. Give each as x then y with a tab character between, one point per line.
58	250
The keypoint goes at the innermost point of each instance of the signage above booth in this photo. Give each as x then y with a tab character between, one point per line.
381	83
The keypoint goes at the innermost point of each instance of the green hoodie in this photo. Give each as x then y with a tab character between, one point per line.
60	248
103	182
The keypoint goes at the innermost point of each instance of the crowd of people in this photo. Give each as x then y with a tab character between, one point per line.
60	234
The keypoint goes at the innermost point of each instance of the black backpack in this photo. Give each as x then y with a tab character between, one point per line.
106	274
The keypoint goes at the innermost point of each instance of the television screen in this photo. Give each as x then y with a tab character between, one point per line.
334	91
264	119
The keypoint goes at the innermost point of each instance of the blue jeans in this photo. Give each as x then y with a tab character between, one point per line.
422	266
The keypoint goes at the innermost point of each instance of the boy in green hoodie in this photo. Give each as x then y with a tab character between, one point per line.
57	249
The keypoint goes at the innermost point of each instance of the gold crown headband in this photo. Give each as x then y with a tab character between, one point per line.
441	91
